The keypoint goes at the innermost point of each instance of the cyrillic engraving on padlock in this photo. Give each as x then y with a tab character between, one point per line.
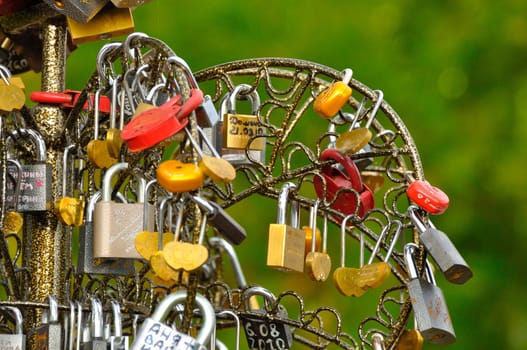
155	334
262	333
243	135
16	340
35	186
285	248
117	224
441	249
428	302
86	263
222	221
49	334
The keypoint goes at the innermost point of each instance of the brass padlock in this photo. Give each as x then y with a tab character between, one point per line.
117	224
285	249
110	22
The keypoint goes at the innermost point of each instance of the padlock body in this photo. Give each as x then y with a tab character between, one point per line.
331	100
82	11
431	312
446	256
226	225
115	228
35	187
12	341
156	335
285	249
86	263
206	114
49	336
239	130
266	335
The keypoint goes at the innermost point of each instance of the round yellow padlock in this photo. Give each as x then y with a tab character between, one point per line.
176	176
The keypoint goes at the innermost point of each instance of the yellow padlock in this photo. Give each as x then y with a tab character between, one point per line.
176	176
330	101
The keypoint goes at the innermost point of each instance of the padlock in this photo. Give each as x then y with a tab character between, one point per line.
356	138
17	339
223	222
13	220
80	10
243	134
429	198
12	96
117	224
49	335
216	343
177	177
441	249
318	264
285	248
428	302
116	339
129	3
344	188
94	340
113	134
35	186
261	332
86	263
97	151
110	22
410	339
68	209
155	334
331	100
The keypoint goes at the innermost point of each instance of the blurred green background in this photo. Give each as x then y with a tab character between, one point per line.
456	73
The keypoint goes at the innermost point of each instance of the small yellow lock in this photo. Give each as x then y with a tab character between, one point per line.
176	176
330	101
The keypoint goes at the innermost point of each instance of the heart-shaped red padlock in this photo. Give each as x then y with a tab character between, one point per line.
428	197
159	123
336	179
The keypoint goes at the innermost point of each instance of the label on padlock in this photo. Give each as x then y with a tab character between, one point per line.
239	129
35	190
155	335
266	335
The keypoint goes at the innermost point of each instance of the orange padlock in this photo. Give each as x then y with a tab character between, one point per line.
330	101
176	176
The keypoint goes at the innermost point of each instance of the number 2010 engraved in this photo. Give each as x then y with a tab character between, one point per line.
264	336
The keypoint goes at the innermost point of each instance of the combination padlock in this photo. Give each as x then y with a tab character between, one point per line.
441	249
285	247
344	188
155	334
429	304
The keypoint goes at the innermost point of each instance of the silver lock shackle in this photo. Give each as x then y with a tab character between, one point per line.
209	317
283	199
17	315
409	251
253	96
269	297
36	137
222	244
107	179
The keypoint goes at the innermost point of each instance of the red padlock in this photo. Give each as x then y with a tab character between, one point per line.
159	123
337	179
69	98
428	197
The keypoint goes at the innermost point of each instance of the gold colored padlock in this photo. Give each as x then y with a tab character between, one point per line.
318	263
410	339
13	222
176	176
286	244
108	23
330	101
11	98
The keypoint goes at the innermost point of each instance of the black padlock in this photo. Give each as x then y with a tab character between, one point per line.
429	304
222	221
441	249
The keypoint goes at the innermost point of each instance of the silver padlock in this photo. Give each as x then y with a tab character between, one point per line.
117	224
429	304
16	340
93	337
261	333
35	186
116	339
80	10
49	334
243	135
157	335
86	263
223	222
441	249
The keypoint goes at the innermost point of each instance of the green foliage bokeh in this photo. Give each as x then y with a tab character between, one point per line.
456	73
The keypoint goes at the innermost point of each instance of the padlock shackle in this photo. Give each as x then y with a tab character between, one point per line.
377	341
90	206
36	137
117	318
107	179
127	51
65	156
258	290
223	245
409	251
52	312
416	219
343	239
238	326
394	239
429	273
97	319
16	192
183	65
17	316
237	93
347	74
207	311
283	199
313	224
101	61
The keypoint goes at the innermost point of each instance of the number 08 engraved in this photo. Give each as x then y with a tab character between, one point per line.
265	336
